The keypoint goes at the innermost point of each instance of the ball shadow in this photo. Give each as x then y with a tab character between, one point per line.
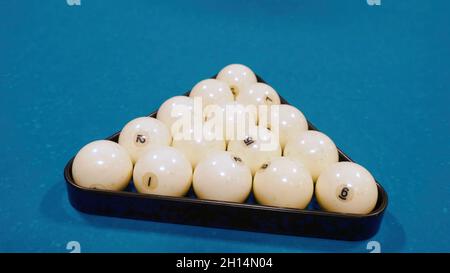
393	236
56	207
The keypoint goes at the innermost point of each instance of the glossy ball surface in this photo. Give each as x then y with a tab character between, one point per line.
102	164
143	133
163	171
212	91
237	76
283	182
222	176
260	146
173	109
314	149
347	187
258	94
291	122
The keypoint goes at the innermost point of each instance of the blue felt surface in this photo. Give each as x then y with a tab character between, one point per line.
375	79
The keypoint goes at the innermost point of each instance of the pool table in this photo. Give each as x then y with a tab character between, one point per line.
373	75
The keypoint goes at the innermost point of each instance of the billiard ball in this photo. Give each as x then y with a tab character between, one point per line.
258	147
283	182
258	94
102	164
196	148
222	176
163	171
142	133
314	149
175	108
235	119
290	122
212	91
347	187
237	76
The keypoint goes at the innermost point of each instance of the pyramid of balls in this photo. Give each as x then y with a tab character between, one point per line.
301	164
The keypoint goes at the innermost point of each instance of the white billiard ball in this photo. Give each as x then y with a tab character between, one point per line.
237	76
314	149
258	147
347	187
197	147
283	182
212	91
290	122
235	119
143	133
222	176
163	171
102	164
258	94
175	108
